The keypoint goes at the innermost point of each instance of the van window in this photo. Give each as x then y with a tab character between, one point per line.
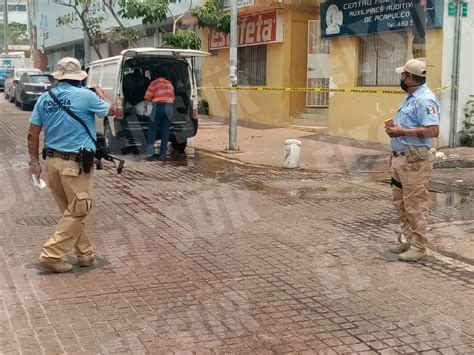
109	75
94	76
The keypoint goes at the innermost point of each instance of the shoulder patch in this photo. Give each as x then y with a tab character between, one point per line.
430	109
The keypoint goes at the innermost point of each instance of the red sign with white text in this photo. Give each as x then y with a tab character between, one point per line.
262	28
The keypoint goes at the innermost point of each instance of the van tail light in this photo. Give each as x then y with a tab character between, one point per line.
119	107
195	108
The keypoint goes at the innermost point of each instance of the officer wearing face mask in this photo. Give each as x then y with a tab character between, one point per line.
412	132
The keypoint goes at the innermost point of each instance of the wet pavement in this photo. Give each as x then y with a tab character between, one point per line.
206	255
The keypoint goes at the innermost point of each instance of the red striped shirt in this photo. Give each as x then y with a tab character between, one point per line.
160	90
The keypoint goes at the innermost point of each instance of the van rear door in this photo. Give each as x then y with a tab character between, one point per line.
163	52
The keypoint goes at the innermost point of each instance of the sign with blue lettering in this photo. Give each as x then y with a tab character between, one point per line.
342	18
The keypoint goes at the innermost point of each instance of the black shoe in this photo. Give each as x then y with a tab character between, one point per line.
153	157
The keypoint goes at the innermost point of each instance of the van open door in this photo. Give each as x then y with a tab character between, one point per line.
165	52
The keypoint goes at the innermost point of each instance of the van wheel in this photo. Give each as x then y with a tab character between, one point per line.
110	142
23	106
179	147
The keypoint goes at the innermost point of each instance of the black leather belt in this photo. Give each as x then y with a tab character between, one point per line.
398	154
48	152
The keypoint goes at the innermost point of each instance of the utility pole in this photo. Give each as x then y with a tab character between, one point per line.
233	77
5	27
30	11
418	14
453	124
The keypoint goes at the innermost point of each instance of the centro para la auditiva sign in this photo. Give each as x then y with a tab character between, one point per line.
261	28
342	18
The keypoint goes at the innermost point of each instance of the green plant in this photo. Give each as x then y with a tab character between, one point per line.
212	15
183	39
466	135
203	107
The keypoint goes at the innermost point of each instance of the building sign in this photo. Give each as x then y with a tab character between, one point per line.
452	9
262	28
341	18
240	3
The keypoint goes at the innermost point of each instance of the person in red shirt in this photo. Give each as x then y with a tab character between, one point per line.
161	94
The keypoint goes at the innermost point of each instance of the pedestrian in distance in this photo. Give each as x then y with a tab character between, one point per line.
411	138
69	152
161	94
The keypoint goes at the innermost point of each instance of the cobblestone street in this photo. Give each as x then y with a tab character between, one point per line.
204	255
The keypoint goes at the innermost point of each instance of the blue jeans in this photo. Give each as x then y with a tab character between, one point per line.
160	120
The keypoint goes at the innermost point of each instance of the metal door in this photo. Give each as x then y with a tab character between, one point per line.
318	66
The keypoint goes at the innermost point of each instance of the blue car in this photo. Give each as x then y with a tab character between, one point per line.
3	76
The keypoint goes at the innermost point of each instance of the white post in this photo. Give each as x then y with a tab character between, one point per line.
233	77
5	27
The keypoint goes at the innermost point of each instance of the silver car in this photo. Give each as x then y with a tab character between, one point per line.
12	81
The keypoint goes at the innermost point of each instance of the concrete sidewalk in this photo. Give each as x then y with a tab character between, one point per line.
264	145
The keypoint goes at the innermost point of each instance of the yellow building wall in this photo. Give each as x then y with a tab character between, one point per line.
286	66
361	116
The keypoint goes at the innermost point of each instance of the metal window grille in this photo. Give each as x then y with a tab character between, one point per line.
380	54
316	48
252	65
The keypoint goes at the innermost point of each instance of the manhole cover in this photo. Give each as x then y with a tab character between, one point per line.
31	221
310	189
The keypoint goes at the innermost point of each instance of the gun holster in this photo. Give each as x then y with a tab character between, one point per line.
86	160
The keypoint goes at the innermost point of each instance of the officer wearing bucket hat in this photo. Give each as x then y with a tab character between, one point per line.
412	132
63	139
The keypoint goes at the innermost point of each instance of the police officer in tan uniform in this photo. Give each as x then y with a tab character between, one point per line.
412	133
64	139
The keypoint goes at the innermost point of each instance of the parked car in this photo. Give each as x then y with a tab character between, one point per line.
3	76
12	81
118	77
30	87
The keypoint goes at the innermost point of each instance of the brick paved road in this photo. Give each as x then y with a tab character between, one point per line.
206	256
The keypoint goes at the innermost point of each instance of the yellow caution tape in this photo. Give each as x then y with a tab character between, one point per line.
346	90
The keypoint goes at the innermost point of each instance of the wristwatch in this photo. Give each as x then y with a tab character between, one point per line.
31	163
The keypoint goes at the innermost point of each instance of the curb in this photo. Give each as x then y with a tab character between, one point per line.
454	164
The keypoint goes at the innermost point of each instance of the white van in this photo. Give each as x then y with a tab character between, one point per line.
125	79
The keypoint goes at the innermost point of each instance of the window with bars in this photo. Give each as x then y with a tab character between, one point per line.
252	65
379	55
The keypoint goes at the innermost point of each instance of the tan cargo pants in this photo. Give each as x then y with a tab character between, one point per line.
73	194
411	201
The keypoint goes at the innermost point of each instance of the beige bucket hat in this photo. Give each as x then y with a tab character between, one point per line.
69	68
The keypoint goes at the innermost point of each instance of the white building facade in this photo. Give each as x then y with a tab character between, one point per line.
68	40
452	112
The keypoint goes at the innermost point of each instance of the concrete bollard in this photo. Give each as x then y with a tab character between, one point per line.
291	156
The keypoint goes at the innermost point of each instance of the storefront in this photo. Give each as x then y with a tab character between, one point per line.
368	40
272	51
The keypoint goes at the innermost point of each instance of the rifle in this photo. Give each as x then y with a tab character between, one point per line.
103	154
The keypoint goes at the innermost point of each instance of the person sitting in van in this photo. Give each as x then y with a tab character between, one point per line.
161	94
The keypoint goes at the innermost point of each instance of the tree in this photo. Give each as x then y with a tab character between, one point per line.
91	22
212	15
17	34
155	11
183	39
